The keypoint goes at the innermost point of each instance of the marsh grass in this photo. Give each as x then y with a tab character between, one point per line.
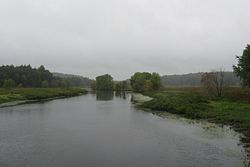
233	109
10	95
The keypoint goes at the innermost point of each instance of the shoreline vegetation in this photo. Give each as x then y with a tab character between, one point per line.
216	101
26	84
15	96
194	102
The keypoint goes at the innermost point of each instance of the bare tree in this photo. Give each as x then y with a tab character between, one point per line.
214	82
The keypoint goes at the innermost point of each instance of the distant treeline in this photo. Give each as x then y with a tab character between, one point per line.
194	79
74	80
27	76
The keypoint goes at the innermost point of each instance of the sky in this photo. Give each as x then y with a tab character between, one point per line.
120	37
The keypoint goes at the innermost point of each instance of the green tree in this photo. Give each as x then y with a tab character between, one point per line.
148	86
138	81
242	69
104	82
144	81
118	86
25	75
93	85
121	86
9	83
124	85
156	81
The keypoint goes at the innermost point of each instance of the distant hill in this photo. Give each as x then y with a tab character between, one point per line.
74	80
193	79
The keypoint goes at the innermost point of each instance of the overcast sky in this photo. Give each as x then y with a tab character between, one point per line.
120	37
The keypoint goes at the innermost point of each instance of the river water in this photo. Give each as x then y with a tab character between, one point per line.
106	130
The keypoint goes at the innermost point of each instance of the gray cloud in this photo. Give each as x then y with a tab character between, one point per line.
120	37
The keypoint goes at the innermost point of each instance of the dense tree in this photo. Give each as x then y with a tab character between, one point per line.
125	85
144	81
26	76
93	85
104	82
156	81
118	86
138	81
242	69
121	86
148	86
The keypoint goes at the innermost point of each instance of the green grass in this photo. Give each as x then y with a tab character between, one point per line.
229	109
10	95
186	103
232	93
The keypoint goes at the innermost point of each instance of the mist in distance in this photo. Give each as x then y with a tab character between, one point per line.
120	37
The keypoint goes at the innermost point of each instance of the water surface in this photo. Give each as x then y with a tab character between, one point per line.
104	130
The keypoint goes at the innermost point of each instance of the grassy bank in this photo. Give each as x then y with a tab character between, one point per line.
23	94
233	109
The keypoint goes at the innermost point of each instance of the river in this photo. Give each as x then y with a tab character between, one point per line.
106	130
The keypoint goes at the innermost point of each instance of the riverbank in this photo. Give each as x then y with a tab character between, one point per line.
24	95
233	109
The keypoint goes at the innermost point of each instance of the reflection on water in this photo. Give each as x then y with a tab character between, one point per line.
104	95
82	131
109	95
121	94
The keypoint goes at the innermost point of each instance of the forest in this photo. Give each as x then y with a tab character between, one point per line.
29	77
